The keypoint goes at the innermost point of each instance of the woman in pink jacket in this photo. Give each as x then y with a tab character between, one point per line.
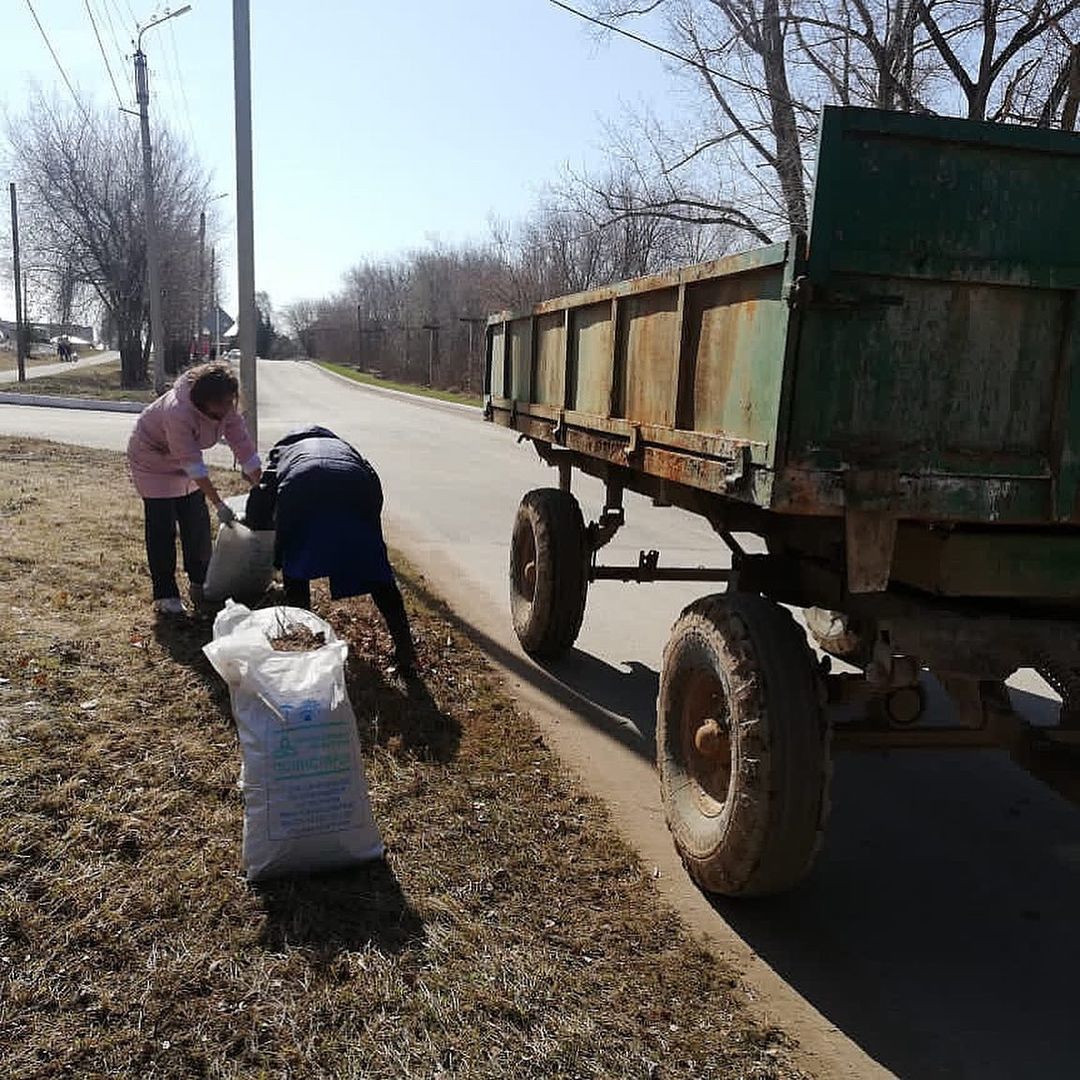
167	468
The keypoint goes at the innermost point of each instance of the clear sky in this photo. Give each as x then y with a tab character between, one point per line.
378	126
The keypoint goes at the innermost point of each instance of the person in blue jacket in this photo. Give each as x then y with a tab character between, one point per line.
325	502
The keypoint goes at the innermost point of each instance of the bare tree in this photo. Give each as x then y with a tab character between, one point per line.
763	68
82	205
301	318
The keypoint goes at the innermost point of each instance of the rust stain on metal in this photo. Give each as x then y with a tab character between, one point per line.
592	349
550	359
650	349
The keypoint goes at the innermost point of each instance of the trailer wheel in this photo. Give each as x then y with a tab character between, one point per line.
549	580
743	746
841	636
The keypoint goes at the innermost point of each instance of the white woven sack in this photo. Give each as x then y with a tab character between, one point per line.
306	805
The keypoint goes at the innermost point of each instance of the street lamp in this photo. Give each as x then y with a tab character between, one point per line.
142	94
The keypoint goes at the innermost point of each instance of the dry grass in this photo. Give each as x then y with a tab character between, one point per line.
459	397
9	361
101	382
508	934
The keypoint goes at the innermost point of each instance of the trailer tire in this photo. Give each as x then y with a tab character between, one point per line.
549	572
746	794
839	635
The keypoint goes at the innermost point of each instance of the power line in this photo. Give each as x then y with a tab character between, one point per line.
108	6
56	61
180	82
104	55
669	52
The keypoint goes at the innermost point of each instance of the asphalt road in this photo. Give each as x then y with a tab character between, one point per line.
938	932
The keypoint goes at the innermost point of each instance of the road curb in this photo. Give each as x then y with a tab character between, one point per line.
54	402
416	399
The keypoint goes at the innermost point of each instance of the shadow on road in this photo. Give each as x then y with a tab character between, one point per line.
559	681
628	691
939	928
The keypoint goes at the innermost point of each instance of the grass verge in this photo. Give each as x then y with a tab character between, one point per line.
101	382
457	396
509	933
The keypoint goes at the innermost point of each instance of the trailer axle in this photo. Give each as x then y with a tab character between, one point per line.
648	570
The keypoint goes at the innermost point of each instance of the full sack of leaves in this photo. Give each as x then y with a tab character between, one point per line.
242	563
306	803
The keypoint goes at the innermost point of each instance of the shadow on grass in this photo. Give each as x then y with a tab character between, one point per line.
341	911
401	717
400	720
183	640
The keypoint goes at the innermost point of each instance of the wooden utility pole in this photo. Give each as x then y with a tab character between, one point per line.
215	338
20	329
433	351
202	286
472	321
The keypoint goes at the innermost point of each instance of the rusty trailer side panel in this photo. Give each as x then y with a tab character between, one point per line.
918	357
677	355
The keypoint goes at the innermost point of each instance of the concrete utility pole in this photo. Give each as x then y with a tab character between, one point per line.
153	267
20	329
245	215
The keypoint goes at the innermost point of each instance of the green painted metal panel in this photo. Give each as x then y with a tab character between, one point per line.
737	331
1000	563
956	378
918	196
923	359
937	332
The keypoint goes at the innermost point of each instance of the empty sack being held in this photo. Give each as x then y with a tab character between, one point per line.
306	804
242	562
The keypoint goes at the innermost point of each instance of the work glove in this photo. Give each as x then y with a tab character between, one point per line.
225	514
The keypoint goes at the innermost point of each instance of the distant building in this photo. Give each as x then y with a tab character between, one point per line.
215	327
48	331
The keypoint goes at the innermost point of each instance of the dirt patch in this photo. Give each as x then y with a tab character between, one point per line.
509	932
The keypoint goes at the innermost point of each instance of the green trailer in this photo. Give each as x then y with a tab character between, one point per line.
893	405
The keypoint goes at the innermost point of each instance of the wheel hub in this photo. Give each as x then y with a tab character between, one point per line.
711	739
706	741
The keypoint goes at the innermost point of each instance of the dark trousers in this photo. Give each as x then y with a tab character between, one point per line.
387	599
162	517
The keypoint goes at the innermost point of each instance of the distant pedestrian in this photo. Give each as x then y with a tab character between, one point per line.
325	501
167	468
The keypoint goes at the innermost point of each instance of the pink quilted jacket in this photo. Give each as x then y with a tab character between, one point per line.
165	449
